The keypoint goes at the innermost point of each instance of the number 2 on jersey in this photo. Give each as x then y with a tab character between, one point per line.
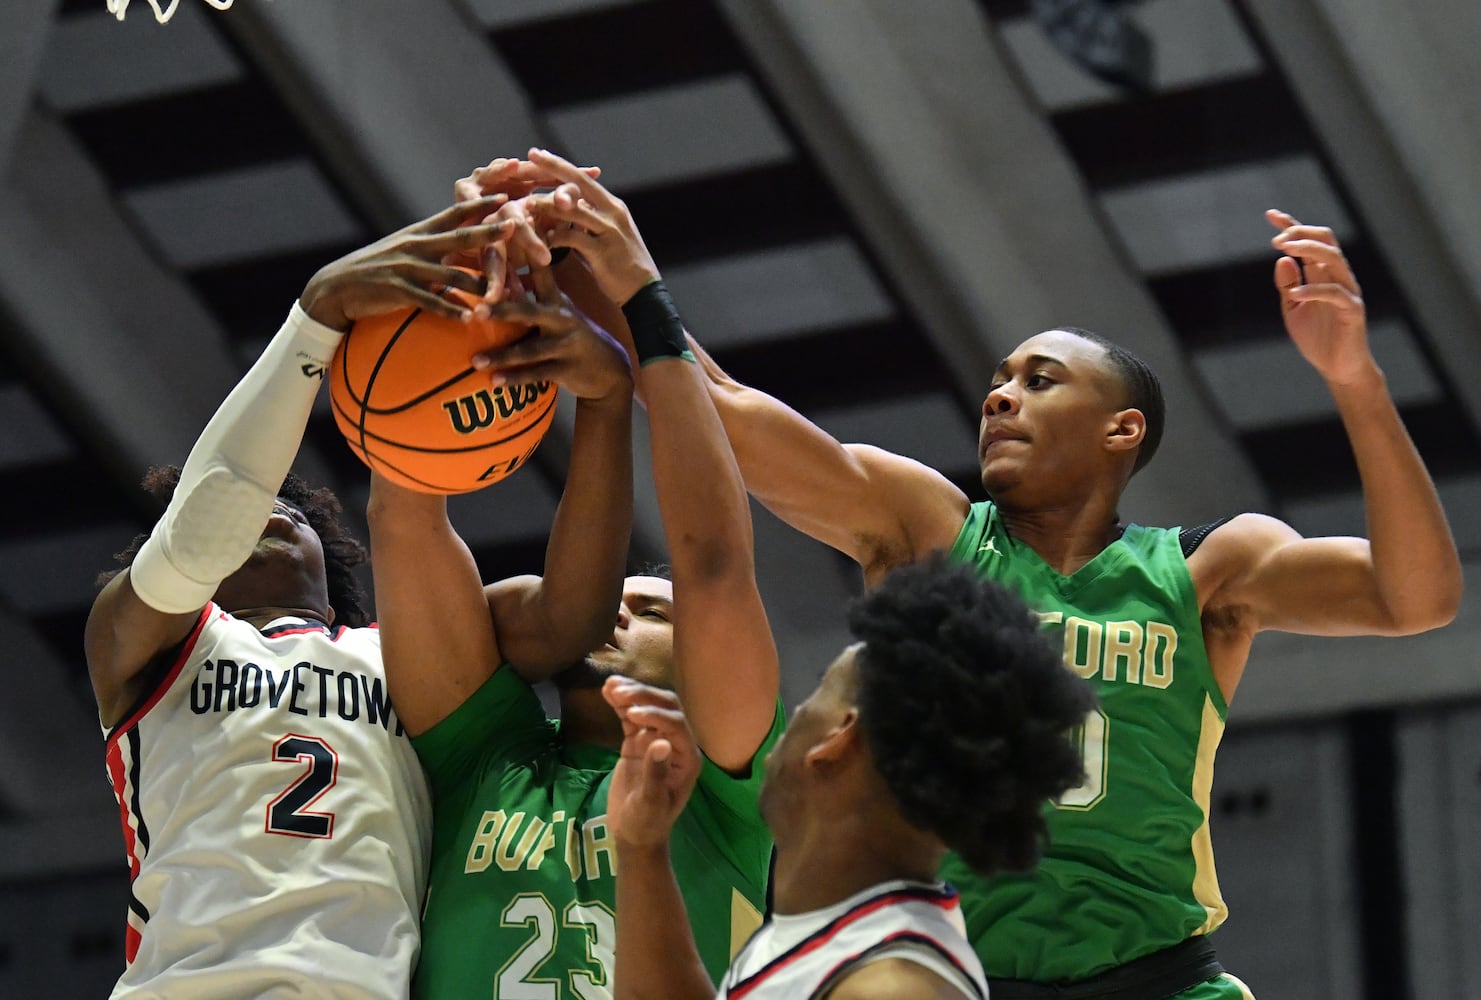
288	814
1092	735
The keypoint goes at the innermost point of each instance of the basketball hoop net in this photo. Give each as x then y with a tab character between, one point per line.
117	8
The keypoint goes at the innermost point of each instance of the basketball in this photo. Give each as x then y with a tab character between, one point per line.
409	402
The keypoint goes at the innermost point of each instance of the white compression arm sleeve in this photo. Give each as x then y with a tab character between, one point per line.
229	482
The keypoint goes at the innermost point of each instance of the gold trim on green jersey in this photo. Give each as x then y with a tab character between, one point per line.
745	920
1205	879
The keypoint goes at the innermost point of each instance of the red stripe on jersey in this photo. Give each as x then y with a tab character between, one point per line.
118	775
945	901
924	939
131	939
169	679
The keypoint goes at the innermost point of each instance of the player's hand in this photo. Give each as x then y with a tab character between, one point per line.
568	349
659	765
406	269
583	215
512	180
1324	314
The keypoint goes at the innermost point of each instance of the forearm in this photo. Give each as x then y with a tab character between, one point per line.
586	554
725	664
437	636
656	954
1415	563
231	478
702	498
802	474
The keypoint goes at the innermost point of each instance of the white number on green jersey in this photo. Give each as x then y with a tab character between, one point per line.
520	977
1092	735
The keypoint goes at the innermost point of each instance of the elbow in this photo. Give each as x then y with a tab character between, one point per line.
710	562
1438	610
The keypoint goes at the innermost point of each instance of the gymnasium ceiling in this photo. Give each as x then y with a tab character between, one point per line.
860	206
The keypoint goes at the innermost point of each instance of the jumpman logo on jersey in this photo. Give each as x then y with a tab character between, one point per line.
991	545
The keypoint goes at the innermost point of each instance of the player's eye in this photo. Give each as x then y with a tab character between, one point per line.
1038	380
653	613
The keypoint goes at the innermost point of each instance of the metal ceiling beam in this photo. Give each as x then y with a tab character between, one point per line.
1392	88
968	200
23	35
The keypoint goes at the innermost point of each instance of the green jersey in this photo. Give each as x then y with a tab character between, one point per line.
1129	868
522	890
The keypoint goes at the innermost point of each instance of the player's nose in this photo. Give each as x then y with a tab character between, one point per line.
1003	399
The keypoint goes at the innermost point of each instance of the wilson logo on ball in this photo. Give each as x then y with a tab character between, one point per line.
471	413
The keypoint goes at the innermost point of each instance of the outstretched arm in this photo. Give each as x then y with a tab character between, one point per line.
725	661
881	509
231	478
1406	576
878	508
443	632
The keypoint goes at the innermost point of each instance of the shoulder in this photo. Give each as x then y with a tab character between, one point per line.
892	979
926	510
1233	549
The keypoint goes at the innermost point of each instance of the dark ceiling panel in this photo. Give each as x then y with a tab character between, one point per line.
188	133
608	51
1236	301
1218	124
1314	458
723	214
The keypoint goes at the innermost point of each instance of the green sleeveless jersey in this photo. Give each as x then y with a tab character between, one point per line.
1129	868
522	895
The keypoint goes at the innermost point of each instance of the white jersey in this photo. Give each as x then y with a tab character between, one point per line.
808	954
276	819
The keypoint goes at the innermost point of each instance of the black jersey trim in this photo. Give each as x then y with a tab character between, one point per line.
175	656
1190	538
141	831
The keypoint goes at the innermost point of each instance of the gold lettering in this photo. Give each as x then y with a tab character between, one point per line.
532	834
1162	646
596	838
481	851
573	850
546	842
502	853
1088	663
1123	643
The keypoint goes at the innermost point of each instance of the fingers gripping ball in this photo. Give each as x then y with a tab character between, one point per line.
412	406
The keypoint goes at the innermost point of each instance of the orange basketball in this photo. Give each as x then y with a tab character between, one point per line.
410	403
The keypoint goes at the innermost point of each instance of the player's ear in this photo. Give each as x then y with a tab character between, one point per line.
1126	430
836	743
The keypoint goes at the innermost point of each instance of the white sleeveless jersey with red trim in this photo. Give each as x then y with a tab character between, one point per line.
276	820
808	954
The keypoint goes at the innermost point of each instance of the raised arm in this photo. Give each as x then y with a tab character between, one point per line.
881	509
725	661
443	632
1406	576
657	958
231	478
878	508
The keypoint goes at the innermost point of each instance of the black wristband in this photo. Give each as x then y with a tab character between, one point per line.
656	328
